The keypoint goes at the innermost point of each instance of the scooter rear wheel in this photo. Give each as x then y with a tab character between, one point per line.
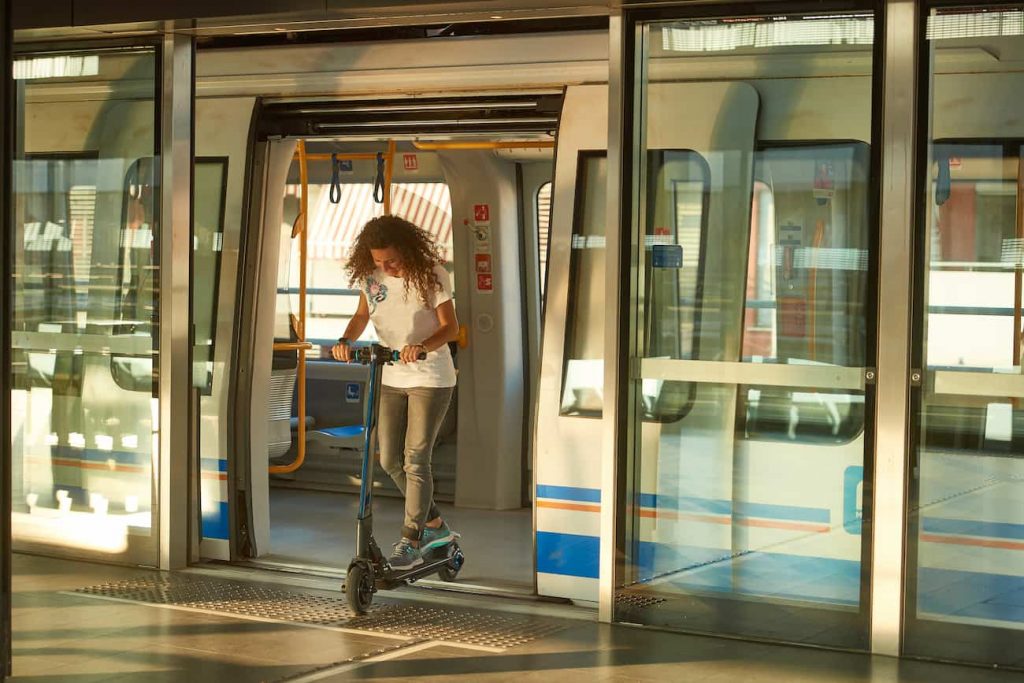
450	571
359	589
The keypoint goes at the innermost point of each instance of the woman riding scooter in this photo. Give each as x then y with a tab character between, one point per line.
407	294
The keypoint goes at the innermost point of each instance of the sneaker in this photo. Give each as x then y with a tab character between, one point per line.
436	538
405	556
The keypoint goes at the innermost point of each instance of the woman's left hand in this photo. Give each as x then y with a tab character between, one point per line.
411	353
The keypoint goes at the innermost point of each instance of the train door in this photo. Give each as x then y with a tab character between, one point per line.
568	438
752	236
469	195
965	566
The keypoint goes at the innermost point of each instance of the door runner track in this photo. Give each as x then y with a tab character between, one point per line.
467	627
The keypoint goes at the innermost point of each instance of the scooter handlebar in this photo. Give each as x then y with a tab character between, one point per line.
397	355
379	354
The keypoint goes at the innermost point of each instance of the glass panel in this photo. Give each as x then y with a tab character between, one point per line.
807	286
965	574
210	182
745	497
583	384
209	207
678	183
86	275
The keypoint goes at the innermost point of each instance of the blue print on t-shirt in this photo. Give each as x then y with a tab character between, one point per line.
375	293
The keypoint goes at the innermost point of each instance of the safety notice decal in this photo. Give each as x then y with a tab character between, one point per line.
482	214
485	283
483	263
410	162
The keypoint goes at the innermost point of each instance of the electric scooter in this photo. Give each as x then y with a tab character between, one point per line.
369	571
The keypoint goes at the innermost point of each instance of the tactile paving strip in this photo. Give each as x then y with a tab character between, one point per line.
469	627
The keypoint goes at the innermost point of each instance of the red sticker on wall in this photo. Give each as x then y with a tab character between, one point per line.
411	162
484	282
483	263
482	213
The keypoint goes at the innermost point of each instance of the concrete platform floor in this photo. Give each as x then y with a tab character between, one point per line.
61	636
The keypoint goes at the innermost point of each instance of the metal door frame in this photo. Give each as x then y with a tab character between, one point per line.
6	162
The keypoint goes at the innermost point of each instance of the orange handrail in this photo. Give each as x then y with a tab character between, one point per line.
292	346
300	345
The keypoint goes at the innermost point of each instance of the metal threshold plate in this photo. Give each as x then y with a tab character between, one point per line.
457	626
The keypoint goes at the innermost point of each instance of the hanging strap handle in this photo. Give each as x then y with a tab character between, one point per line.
335	179
378	182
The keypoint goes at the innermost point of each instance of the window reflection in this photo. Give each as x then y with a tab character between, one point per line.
965	539
84	409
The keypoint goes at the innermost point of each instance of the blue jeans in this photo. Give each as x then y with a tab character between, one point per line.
406	431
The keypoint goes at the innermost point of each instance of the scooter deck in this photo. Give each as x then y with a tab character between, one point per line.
434	561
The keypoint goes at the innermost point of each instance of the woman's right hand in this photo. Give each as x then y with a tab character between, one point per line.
342	351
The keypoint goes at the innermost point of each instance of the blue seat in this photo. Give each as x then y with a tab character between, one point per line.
346	432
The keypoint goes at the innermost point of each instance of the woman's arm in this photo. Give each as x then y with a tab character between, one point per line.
447	332
353	330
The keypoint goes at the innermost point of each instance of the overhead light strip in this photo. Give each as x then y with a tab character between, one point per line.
714	36
59	66
395	108
445	123
983	24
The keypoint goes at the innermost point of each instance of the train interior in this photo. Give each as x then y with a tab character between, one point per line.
482	482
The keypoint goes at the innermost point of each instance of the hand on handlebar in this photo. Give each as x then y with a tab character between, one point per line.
412	353
342	351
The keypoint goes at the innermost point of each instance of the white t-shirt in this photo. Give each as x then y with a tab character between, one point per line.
400	319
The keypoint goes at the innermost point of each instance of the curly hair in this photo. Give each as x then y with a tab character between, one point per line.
418	252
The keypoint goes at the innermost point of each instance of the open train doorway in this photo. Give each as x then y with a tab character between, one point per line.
480	196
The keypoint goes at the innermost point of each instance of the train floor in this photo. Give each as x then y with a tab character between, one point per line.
80	622
316	528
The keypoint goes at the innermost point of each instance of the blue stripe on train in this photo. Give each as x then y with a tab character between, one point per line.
215	524
570	493
213	464
695	504
714	506
568	554
97	455
808	578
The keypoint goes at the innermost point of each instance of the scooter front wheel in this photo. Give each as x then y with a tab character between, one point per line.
359	588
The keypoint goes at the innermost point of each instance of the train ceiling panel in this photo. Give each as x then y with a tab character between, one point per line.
520	115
